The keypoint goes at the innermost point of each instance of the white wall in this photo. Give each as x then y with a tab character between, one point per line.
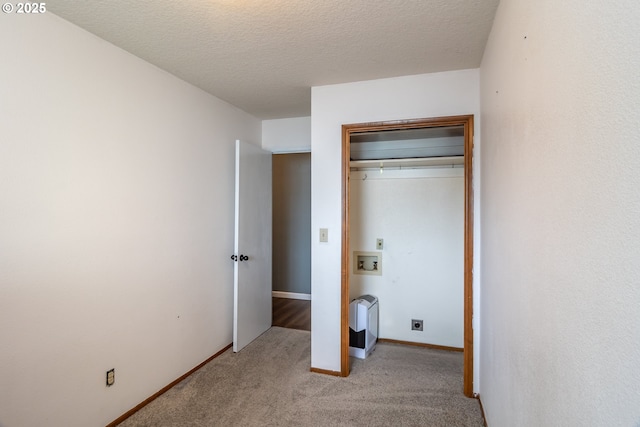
560	273
420	215
116	213
287	135
420	96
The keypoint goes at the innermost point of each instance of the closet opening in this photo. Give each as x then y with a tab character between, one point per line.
439	147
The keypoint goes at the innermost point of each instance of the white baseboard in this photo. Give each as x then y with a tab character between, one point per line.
290	295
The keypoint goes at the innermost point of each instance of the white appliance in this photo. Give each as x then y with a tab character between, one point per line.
363	326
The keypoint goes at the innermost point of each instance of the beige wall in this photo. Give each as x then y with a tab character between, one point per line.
116	225
560	226
291	135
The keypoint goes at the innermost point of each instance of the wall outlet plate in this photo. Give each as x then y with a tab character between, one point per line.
416	325
111	377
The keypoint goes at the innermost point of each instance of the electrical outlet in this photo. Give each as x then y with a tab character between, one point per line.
111	377
416	325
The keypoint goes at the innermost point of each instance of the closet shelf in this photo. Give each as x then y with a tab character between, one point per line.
407	163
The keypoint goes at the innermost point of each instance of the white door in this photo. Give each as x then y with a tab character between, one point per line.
252	251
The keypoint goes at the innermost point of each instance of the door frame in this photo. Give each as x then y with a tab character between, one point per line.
467	122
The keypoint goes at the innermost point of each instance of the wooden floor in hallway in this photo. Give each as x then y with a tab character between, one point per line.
292	313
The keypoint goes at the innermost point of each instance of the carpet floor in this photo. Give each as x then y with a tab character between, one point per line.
268	383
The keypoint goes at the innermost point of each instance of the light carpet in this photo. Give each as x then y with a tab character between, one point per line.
268	383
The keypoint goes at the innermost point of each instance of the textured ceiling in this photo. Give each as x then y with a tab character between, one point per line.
264	56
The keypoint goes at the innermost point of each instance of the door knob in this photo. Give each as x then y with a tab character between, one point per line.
244	257
234	257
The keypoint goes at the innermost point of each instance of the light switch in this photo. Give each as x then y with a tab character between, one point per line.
324	235
379	244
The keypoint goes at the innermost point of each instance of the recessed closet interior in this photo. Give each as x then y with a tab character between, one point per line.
407	203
